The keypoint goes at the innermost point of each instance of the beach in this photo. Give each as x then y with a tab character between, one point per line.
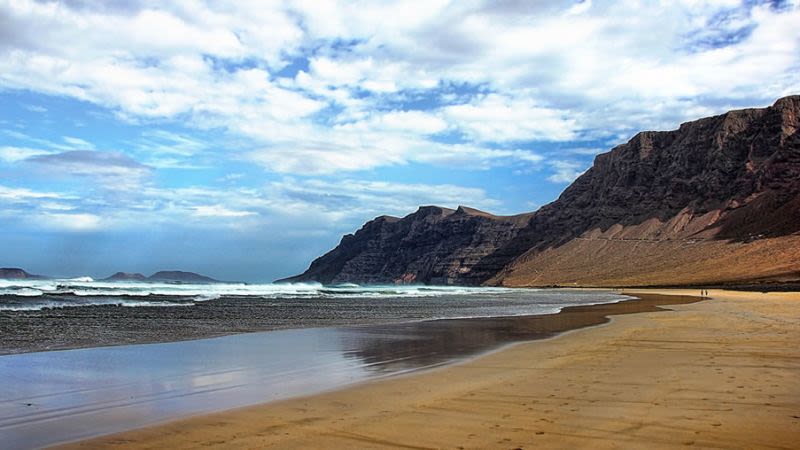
721	373
61	396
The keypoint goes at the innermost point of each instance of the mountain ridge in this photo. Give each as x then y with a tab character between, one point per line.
719	188
15	273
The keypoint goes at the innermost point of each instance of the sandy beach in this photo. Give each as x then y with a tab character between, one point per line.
722	373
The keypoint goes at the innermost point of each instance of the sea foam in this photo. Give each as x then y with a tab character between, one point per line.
16	295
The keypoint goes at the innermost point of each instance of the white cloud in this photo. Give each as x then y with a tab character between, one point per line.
70	222
565	171
308	204
415	122
166	142
219	211
36	108
50	146
77	143
356	199
496	118
340	150
23	194
529	71
16	154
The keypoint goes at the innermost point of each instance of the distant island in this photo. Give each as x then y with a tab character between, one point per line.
126	276
164	276
180	276
15	273
715	202
168	276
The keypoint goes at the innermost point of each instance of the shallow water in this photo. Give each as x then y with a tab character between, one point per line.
61	314
51	397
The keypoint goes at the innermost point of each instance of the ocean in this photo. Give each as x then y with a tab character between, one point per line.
37	315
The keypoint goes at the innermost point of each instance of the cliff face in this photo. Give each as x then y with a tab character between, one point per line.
433	245
664	208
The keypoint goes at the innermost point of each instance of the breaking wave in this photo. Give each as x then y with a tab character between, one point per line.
31	295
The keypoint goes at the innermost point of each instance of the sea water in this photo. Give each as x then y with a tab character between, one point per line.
37	315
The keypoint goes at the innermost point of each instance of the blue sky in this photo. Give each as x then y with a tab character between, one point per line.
241	141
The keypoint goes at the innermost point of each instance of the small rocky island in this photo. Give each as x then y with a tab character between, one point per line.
15	273
168	276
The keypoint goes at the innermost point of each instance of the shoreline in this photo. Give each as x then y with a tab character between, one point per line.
257	364
99	326
20	346
534	393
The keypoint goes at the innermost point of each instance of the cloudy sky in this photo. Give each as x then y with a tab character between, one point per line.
241	139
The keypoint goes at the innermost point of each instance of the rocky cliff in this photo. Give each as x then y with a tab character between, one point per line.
433	245
715	201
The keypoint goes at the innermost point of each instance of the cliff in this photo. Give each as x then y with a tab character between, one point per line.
716	201
433	245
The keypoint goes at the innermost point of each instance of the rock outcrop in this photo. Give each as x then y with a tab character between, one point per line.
177	276
715	201
126	276
433	245
15	273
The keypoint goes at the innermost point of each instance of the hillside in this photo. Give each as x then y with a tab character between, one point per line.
15	273
433	245
126	276
716	201
178	276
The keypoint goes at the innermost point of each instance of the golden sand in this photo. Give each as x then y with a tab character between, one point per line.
723	373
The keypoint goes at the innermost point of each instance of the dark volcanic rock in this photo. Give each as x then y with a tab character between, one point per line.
126	276
716	164
433	245
14	273
180	277
733	178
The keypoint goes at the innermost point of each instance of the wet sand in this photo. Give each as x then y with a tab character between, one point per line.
723	373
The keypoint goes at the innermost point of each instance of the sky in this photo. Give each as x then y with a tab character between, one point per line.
242	139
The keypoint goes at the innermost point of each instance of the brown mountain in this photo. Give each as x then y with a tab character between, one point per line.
126	276
179	276
15	273
716	201
433	245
